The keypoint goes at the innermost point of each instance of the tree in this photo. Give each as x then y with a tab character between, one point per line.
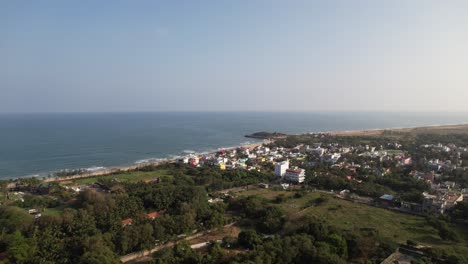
338	244
19	249
271	220
249	239
13	218
49	243
97	251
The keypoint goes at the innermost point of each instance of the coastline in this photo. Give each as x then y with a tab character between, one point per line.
453	128
159	162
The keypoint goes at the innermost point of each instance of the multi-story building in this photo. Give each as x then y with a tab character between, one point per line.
296	175
281	167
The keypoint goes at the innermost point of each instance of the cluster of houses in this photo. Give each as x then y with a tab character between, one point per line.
248	158
434	203
240	158
442	196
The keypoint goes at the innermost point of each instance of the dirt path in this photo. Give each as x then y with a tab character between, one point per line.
206	236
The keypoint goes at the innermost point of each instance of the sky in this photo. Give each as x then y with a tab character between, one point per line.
243	55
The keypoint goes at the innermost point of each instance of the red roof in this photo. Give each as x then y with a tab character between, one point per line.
294	171
152	215
127	221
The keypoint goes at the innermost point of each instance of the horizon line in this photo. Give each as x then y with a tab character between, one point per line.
233	111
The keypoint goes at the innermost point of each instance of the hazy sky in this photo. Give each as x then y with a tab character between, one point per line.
61	56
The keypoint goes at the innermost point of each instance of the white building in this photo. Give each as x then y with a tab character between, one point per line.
295	175
281	167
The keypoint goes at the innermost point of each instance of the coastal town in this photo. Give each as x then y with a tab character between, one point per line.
409	178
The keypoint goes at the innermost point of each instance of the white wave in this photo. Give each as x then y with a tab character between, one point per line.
96	169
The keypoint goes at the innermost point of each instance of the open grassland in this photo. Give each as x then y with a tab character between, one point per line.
441	130
347	215
129	176
56	211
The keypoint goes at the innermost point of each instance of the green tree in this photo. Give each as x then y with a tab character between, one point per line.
271	220
249	239
19	249
338	244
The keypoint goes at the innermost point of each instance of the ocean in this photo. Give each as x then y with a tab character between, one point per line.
39	144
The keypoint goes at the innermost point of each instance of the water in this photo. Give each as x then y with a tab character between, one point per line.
37	144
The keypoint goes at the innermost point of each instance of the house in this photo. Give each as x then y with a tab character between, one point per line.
296	175
127	222
194	161
351	178
407	162
411	207
453	199
152	215
433	203
387	199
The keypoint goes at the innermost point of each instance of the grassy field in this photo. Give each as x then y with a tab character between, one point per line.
56	211
443	130
130	176
346	215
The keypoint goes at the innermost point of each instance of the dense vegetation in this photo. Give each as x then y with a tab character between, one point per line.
89	229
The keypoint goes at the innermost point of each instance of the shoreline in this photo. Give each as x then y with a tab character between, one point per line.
161	161
43	176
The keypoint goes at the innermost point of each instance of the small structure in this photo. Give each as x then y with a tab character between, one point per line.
152	215
263	185
345	193
127	222
387	199
215	200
